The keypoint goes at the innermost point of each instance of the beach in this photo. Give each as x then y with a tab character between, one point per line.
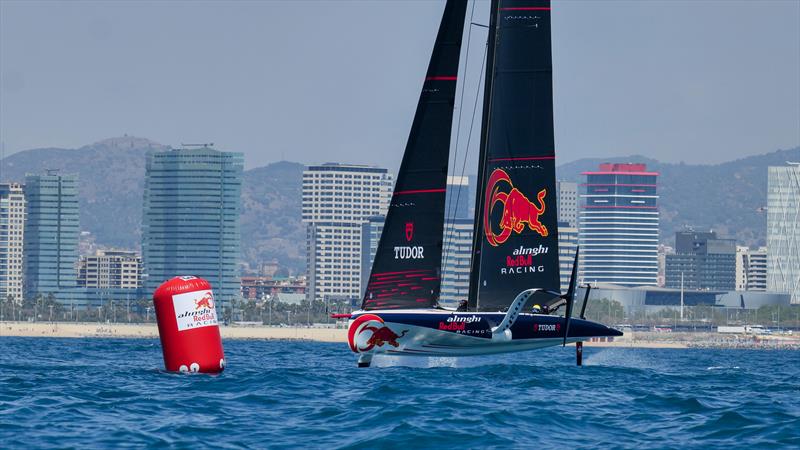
330	334
319	334
140	330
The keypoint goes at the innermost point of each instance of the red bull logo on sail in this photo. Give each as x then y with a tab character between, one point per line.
518	210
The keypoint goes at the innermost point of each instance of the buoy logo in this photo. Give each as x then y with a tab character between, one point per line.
207	301
194	310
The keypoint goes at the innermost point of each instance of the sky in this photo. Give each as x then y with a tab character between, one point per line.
316	81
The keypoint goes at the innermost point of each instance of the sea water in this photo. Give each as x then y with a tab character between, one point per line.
112	392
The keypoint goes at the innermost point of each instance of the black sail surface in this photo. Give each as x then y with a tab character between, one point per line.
406	272
516	235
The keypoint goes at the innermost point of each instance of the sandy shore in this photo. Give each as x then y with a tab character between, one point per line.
120	330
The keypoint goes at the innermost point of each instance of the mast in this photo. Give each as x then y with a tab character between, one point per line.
474	269
406	272
516	234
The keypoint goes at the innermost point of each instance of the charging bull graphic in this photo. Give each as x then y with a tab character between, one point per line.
206	301
369	331
518	211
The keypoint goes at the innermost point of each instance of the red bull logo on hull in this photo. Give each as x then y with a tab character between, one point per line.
518	210
369	331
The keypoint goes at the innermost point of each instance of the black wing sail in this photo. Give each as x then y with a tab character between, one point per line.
406	272
516	235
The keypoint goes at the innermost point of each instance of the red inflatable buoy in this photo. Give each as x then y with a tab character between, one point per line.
187	326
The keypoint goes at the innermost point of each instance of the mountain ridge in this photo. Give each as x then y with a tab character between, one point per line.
111	183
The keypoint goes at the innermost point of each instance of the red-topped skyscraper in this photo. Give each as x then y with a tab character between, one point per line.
618	226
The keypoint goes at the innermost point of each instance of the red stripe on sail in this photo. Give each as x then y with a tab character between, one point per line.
397	273
524	158
441	78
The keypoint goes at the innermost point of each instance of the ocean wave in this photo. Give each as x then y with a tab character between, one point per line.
112	392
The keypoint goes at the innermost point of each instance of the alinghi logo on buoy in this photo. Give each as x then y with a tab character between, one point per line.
194	310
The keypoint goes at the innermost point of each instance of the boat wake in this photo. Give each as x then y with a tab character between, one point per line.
619	358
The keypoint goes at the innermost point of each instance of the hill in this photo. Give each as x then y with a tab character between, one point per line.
728	197
271	211
111	184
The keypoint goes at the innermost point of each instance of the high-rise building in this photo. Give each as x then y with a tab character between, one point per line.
568	203
51	233
618	226
701	262
12	232
567	245
190	222
337	200
371	231
115	269
456	257
663	251
783	230
751	269
457	201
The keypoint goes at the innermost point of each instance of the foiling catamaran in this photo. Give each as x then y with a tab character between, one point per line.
515	240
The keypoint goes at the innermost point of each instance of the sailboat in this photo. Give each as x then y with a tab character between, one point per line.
514	286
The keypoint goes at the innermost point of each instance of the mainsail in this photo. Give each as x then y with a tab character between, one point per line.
406	272
516	237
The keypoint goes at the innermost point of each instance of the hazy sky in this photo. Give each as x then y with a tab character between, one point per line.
315	81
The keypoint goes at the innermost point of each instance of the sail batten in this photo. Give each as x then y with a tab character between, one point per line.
406	272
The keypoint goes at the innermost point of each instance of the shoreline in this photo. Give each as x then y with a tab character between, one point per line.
339	335
146	330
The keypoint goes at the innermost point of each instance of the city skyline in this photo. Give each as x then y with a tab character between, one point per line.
196	163
124	158
698	95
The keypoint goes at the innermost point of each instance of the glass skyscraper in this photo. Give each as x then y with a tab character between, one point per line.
619	226
190	222
51	233
783	230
